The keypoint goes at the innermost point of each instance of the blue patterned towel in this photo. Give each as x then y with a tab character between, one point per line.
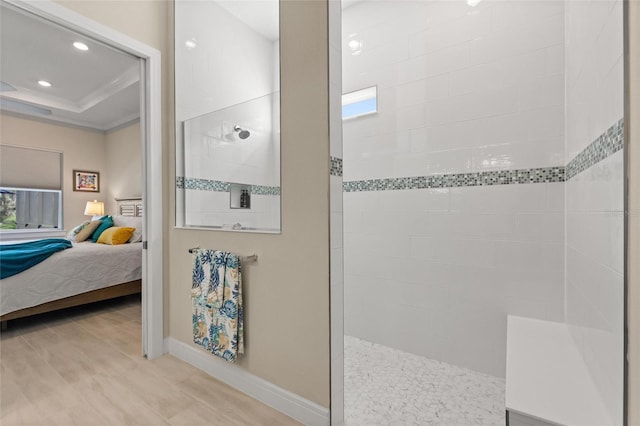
216	293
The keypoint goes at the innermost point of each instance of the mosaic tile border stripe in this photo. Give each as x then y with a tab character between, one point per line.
454	180
605	145
221	186
336	166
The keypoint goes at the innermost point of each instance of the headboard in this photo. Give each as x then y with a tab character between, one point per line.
129	206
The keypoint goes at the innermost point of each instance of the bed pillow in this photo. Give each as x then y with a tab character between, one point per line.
87	230
131	222
116	235
106	224
71	236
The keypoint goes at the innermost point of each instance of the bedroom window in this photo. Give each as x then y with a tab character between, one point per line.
30	209
30	191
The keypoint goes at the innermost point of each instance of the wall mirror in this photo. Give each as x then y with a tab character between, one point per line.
227	82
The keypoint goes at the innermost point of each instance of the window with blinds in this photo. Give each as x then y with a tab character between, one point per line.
30	189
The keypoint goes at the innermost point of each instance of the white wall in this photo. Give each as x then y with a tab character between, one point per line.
299	364
594	252
291	354
115	155
461	89
124	165
81	149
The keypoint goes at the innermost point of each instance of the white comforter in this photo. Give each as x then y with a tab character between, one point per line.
82	268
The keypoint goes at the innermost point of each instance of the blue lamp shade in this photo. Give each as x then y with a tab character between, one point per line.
94	208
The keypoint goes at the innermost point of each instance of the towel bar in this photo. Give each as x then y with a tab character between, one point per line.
250	258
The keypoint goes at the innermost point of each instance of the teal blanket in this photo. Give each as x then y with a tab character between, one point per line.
15	258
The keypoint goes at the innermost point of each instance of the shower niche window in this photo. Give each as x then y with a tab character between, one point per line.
228	115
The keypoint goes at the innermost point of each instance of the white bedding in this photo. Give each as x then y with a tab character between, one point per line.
82	268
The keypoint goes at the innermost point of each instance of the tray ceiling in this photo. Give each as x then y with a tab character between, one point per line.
97	88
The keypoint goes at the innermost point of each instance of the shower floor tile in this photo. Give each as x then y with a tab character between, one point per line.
385	386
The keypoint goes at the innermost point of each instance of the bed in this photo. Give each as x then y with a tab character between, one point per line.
86	273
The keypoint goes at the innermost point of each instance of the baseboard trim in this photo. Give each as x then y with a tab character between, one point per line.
294	406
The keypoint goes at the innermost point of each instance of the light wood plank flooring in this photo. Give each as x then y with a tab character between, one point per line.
82	366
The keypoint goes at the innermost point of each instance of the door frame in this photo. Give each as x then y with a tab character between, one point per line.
151	139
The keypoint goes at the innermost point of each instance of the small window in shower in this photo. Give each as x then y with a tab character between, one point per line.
359	103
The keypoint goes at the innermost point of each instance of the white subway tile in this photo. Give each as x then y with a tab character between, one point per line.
555	59
336	230
336	194
365	266
482	104
408	94
411	70
499	73
513	15
442	162
555	193
609	46
359	202
543	123
374	243
509	156
447	59
540	262
499	199
452	251
541	227
543	92
415	200
450	33
393	222
536	35
470	328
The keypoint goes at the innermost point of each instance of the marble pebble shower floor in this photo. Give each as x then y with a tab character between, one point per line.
385	386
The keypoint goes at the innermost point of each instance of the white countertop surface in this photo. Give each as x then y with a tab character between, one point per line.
546	376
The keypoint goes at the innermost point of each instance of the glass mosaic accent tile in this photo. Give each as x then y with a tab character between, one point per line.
265	190
221	186
336	166
605	145
501	177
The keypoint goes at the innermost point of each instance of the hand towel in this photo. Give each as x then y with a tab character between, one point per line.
216	293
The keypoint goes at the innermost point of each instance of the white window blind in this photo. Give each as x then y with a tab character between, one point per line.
30	168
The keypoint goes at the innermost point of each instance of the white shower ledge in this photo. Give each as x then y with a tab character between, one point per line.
547	378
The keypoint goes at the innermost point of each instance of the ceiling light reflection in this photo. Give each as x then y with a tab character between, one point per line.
80	46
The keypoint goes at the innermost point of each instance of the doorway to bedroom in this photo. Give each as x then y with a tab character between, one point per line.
91	94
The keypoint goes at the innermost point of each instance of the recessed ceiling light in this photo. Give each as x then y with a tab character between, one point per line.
191	43
473	3
44	83
80	45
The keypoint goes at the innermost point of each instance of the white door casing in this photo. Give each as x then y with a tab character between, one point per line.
151	134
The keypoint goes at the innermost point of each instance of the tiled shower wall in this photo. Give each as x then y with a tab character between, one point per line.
462	89
594	270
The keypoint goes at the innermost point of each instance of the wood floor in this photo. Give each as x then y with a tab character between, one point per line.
82	366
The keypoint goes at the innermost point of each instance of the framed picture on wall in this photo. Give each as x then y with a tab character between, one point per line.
86	181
